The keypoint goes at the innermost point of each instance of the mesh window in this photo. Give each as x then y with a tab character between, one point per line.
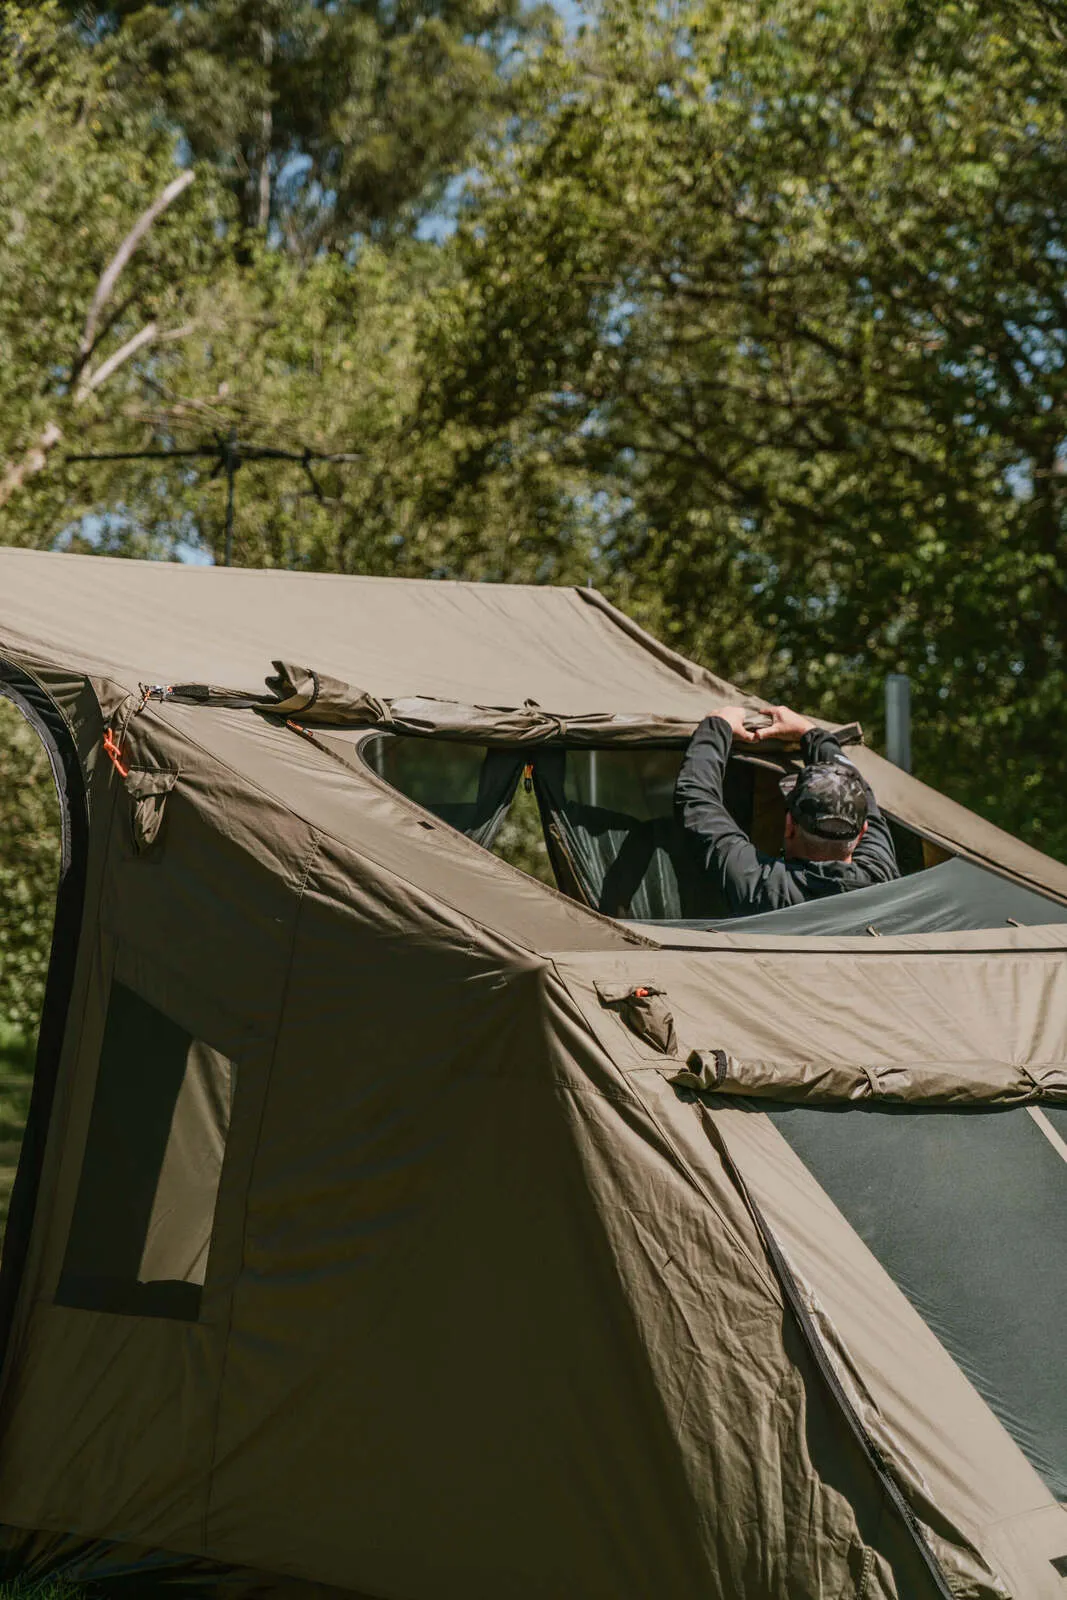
149	1182
966	1211
465	785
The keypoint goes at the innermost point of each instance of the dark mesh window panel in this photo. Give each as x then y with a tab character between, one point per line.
145	1206
466	785
967	1212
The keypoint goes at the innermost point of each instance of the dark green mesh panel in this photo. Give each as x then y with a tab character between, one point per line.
967	1211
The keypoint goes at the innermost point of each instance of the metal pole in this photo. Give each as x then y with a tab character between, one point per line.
898	719
230	450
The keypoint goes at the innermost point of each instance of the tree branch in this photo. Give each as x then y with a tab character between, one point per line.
92	380
111	273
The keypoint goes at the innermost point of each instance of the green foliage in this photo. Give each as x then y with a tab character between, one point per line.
42	1589
16	1079
29	866
785	286
325	118
76	170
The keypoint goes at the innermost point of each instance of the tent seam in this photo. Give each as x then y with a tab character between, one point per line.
684	1167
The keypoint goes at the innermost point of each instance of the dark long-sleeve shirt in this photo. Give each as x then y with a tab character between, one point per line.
749	880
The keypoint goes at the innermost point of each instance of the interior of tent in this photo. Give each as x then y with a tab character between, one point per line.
603	824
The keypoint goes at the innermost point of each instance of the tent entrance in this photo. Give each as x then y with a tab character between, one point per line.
604	833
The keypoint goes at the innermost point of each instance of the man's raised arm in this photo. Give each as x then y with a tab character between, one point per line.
725	851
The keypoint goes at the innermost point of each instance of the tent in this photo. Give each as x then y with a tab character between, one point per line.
392	1224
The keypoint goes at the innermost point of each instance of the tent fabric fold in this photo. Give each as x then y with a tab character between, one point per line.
392	1223
977	1083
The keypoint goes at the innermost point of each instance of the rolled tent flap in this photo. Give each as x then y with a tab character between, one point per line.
315	698
326	702
148	789
645	1011
942	1083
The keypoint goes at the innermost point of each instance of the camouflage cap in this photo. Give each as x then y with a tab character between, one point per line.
827	800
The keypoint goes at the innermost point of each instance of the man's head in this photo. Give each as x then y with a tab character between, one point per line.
826	812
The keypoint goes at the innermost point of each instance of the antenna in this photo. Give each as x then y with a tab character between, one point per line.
228	454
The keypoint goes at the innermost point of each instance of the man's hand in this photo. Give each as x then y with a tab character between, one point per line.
788	726
735	716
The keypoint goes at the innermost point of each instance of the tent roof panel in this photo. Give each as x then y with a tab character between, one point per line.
495	644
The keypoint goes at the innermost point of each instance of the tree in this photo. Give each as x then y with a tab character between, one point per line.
105	251
29	870
326	118
228	342
787	287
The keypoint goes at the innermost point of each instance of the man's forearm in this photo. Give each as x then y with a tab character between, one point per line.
698	791
726	851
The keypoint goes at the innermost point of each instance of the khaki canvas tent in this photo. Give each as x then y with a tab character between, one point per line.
390	1224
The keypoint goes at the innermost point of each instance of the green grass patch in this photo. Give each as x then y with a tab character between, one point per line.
16	1079
42	1589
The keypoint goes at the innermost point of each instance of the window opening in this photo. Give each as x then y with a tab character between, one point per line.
611	820
465	785
603	831
521	839
963	1210
145	1205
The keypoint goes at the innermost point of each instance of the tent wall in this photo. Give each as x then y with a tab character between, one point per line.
984	1508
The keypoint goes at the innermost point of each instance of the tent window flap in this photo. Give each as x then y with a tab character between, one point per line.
145	1204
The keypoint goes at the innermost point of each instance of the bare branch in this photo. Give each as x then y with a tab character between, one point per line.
93	380
85	383
110	276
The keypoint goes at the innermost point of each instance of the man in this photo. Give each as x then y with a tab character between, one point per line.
836	838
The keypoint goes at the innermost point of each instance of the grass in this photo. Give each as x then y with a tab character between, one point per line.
41	1589
16	1076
